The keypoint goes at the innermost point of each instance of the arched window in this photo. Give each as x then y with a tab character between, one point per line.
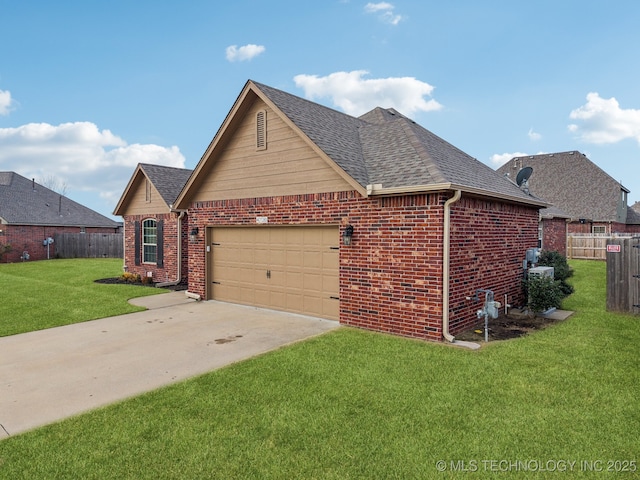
149	241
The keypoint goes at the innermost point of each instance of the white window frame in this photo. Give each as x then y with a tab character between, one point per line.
149	233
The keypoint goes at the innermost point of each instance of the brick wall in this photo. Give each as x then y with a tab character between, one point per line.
391	275
489	240
29	238
610	228
168	272
554	235
618	228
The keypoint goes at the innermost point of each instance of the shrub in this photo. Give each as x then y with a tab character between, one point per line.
544	293
130	277
561	269
147	280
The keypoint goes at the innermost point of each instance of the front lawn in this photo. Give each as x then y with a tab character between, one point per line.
561	403
50	293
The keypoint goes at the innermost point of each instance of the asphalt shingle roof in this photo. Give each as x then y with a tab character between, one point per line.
572	183
167	180
25	202
385	147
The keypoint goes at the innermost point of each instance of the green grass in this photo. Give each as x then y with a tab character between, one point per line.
45	294
356	404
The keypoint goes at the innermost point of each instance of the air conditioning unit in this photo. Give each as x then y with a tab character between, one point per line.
541	272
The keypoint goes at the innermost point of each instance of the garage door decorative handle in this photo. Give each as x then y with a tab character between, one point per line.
268	273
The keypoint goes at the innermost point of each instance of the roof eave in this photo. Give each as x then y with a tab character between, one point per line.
378	190
123	198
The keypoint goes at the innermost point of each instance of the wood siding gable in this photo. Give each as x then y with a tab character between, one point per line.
135	199
234	166
286	165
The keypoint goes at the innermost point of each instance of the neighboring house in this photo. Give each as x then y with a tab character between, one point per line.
31	213
154	232
583	195
373	221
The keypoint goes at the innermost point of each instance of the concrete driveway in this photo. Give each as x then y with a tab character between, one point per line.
56	373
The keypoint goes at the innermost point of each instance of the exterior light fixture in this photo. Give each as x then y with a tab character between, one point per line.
347	234
193	234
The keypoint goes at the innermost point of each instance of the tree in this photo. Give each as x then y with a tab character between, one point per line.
54	183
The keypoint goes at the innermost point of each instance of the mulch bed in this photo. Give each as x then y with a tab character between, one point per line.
506	327
120	281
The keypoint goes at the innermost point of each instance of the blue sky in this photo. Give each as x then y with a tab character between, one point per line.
89	89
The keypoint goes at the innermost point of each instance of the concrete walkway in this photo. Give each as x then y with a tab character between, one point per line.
48	375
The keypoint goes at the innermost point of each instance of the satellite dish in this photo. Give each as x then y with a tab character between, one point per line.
523	176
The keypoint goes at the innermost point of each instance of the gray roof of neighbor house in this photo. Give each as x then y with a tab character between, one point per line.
383	147
25	202
167	180
572	183
633	214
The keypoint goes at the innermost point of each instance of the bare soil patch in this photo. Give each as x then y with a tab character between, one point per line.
509	326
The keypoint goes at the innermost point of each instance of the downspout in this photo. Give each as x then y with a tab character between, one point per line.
445	265
445	274
179	252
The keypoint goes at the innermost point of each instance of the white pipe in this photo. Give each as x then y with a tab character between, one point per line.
192	295
445	275
445	265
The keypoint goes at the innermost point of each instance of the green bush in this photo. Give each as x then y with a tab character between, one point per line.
561	269
544	293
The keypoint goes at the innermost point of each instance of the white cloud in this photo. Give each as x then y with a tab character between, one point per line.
499	159
385	12
5	102
533	136
603	121
87	159
246	52
356	95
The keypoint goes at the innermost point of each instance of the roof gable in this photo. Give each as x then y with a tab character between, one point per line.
573	183
166	182
382	152
25	202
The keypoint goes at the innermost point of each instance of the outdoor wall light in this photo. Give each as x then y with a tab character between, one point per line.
193	234
347	234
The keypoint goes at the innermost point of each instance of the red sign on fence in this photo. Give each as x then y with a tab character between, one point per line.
613	248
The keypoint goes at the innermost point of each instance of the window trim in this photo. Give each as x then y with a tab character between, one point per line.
144	243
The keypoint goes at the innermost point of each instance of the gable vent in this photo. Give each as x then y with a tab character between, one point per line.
261	130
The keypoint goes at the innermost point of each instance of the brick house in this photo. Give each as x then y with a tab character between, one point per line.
155	234
373	221
31	213
583	195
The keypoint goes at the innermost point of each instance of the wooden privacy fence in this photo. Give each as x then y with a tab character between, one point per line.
623	275
588	247
89	245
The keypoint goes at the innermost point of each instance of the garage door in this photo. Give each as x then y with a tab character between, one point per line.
284	268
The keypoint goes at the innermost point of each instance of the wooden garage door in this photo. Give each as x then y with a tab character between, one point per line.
285	268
